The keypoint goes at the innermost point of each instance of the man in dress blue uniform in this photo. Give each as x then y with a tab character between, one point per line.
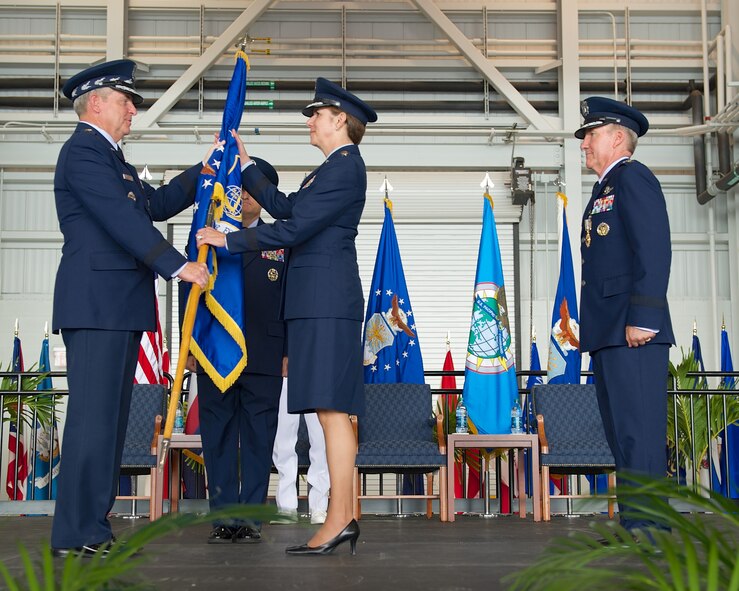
624	317
104	293
246	413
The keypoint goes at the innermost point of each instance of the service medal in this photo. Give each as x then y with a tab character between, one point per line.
272	274
603	229
588	224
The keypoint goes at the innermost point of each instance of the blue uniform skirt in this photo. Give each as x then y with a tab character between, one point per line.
325	365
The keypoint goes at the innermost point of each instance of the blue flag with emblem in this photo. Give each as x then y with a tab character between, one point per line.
490	369
218	341
564	340
42	480
391	350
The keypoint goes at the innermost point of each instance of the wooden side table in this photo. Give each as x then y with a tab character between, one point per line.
501	441
178	441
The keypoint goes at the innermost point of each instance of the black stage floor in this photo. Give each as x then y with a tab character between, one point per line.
409	553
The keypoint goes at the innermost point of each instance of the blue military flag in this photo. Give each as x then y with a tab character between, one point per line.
698	383
490	368
391	348
564	342
729	484
218	341
534	380
42	481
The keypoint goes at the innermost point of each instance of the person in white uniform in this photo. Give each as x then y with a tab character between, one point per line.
285	459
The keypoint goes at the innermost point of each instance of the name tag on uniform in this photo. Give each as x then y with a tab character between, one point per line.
274	255
602	204
127	177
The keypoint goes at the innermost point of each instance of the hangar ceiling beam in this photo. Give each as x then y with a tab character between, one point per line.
201	65
483	65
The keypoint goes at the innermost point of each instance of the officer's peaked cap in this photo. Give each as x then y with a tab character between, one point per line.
330	94
267	170
118	75
599	110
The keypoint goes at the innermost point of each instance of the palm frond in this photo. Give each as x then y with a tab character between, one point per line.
699	554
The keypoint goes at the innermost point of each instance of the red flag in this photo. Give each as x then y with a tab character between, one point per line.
15	484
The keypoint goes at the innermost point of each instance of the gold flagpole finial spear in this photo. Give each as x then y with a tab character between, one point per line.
15	332
386	187
695	327
46	329
723	322
448	341
533	333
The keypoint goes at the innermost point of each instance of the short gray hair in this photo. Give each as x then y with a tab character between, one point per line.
81	102
632	139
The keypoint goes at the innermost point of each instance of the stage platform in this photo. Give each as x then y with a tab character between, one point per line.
393	553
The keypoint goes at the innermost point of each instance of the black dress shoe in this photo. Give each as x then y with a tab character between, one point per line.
88	550
247	535
222	534
350	533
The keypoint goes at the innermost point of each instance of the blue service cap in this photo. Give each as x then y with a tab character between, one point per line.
267	170
118	75
330	94
599	110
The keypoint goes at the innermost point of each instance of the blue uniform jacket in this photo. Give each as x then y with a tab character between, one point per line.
111	249
626	267
264	272
318	223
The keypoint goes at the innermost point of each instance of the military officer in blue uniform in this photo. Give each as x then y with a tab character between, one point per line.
104	293
624	317
246	413
323	298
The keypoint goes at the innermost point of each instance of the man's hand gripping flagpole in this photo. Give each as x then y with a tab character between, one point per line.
187	324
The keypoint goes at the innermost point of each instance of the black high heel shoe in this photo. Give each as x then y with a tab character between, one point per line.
350	532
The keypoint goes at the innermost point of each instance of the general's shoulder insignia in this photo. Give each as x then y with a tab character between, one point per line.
87	130
344	153
274	255
127	177
131	196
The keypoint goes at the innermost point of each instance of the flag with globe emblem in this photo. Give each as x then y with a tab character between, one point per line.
218	341
391	350
490	369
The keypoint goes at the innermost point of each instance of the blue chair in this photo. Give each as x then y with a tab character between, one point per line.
571	438
140	446
396	435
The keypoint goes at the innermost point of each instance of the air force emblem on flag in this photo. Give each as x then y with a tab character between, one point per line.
382	328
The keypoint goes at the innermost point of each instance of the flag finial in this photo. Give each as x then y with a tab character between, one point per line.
448	341
695	327
46	329
15	332
487	183
723	322
385	188
533	334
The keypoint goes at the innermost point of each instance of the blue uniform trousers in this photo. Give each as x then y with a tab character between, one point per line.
247	414
101	365
631	384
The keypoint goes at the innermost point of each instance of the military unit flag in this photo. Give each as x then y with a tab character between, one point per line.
15	480
564	342
391	349
218	341
490	369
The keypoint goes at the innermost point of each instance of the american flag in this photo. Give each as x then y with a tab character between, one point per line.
15	482
153	360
